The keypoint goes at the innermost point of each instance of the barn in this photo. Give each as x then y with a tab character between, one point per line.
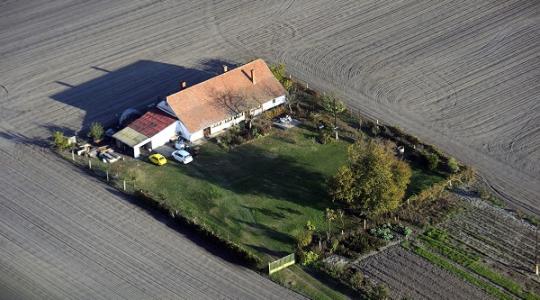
153	129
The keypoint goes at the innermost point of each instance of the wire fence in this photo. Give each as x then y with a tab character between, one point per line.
113	174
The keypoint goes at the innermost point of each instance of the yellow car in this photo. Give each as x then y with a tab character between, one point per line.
157	159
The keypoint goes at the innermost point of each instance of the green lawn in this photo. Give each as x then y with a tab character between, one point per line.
260	194
422	179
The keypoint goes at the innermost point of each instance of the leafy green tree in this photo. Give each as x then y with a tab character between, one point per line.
330	216
281	75
374	181
60	141
333	106
96	132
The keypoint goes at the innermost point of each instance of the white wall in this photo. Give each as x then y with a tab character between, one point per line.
137	148
184	132
164	136
273	103
225	125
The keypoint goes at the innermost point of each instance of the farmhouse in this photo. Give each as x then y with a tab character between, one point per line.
153	129
208	108
205	109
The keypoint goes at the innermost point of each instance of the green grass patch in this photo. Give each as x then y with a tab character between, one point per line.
422	179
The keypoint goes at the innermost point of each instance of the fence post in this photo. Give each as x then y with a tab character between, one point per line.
365	224
72	155
124	184
107	173
89	163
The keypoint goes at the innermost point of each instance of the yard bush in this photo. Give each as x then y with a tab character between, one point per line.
431	159
325	136
60	141
304	239
96	132
383	232
453	166
358	243
308	257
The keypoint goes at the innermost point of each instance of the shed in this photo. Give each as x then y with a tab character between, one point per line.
151	130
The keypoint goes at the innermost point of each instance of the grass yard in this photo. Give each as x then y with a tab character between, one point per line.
260	194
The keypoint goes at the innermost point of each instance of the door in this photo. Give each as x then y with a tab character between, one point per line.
206	132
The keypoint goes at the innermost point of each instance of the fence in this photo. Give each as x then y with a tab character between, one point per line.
113	175
281	263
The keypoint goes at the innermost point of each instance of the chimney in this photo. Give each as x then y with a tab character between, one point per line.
183	85
225	69
253	76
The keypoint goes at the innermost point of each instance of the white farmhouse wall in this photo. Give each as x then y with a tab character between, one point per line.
196	136
273	103
225	125
162	137
137	148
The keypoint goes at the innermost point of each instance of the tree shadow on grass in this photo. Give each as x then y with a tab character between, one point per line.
267	231
273	253
251	170
266	211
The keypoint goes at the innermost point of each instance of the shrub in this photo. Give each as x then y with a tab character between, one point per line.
379	292
357	280
96	132
453	165
310	226
404	230
359	243
304	238
60	141
307	258
383	232
325	137
334	245
432	160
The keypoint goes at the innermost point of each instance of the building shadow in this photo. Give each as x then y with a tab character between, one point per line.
139	85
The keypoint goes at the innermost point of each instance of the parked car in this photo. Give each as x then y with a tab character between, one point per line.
182	156
157	159
180	144
109	156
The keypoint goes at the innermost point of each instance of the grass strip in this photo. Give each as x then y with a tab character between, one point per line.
501	280
447	265
438	239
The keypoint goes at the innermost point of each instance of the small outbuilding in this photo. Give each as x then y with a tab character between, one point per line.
153	129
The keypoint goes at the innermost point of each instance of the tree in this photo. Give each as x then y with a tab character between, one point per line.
374	181
60	141
281	75
334	107
330	216
341	214
96	132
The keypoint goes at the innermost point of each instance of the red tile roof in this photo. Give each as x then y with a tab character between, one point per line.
152	122
213	100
